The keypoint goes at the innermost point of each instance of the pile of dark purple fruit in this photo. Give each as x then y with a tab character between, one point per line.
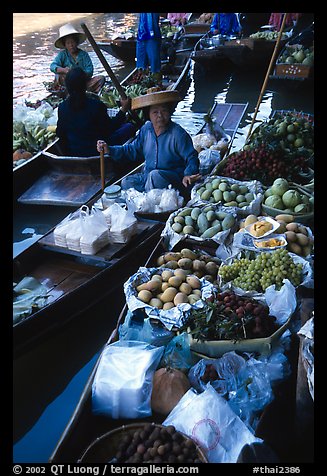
156	444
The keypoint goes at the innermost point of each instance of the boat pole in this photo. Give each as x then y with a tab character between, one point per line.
272	61
111	74
102	169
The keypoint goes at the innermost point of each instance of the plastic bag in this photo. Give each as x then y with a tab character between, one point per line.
178	354
208	159
209	420
123	224
170	199
143	330
122	384
245	382
95	233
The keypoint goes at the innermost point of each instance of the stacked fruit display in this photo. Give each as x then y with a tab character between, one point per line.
203	222
281	195
231	317
263	163
265	269
169	288
299	237
225	192
297	54
193	262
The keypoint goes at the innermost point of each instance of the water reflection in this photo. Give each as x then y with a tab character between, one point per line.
34	35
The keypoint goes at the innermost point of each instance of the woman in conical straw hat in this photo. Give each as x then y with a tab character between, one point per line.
70	56
164	146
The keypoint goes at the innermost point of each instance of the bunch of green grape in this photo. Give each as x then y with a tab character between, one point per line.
266	269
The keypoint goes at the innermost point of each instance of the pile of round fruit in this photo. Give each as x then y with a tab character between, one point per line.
193	262
231	317
204	222
297	54
156	444
267	268
281	196
221	190
169	287
262	163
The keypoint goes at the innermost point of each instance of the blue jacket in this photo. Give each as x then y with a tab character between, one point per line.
225	23
171	150
148	28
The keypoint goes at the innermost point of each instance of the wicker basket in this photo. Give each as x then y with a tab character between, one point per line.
104	448
159	97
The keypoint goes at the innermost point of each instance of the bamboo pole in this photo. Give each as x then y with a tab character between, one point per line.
271	63
111	74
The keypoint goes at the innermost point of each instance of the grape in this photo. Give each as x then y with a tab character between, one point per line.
263	271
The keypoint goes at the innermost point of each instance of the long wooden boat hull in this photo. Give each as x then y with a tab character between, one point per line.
75	281
84	427
244	52
124	50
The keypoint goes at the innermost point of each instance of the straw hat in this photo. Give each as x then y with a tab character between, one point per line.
66	30
158	97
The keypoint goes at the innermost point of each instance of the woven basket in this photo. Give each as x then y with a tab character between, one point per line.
104	448
159	97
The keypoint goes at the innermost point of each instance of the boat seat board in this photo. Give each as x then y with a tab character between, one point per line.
62	189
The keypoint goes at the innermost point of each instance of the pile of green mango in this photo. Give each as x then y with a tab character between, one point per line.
203	222
222	191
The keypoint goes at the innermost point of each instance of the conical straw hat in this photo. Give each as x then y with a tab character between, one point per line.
66	30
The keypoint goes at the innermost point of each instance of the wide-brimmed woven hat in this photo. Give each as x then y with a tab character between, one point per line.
158	97
67	30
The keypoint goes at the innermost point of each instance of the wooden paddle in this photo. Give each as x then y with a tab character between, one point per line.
111	74
272	61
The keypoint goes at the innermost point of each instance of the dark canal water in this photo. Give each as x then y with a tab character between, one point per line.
49	379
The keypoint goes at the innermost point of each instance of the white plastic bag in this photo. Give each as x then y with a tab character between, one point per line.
122	384
209	420
95	232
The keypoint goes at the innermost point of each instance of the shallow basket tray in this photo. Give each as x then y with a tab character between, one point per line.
216	348
103	449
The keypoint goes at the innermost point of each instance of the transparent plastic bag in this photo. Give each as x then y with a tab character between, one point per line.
210	421
122	384
144	330
177	353
95	232
208	159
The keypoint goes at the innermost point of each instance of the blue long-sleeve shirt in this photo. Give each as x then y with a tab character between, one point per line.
65	60
148	27
172	150
225	23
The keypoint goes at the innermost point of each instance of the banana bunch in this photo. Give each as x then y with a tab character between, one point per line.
111	97
33	140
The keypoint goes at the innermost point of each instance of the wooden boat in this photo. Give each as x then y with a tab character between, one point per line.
75	281
84	427
50	178
291	74
124	49
243	52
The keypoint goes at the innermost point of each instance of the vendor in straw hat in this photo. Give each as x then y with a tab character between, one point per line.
70	56
164	146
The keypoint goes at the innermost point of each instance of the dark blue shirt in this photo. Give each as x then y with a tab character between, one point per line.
80	129
226	24
172	150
